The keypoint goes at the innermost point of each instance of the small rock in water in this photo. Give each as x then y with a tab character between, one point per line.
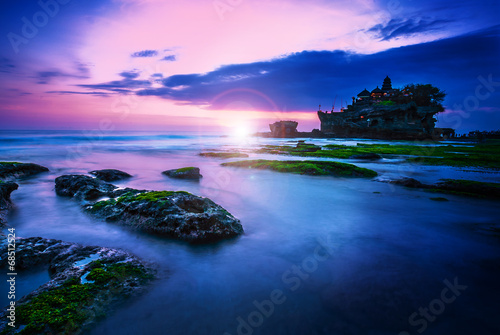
369	156
184	173
408	182
110	174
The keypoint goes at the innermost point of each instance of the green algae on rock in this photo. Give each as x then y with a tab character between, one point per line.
224	155
175	214
485	155
86	283
314	168
189	172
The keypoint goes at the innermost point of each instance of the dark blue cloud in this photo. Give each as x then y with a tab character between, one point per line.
6	65
145	53
396	28
96	93
125	85
303	80
45	77
129	74
169	58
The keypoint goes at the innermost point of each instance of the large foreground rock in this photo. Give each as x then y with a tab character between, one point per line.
110	174
5	203
13	170
179	215
86	282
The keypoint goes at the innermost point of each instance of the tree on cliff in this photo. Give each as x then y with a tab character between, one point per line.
425	94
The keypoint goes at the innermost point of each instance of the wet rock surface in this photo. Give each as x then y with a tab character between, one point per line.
179	215
86	283
110	174
13	170
408	182
370	156
184	173
455	186
5	203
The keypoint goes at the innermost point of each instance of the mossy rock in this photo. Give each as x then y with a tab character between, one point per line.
184	173
223	155
486	155
66	304
313	168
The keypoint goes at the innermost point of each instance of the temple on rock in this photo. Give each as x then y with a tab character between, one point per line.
388	113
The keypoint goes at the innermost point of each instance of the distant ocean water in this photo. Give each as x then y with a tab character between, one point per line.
344	259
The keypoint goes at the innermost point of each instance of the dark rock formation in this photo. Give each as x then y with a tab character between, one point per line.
455	186
399	121
86	283
284	129
469	187
110	174
313	168
12	170
370	156
5	203
179	215
408	182
82	187
224	154
184	173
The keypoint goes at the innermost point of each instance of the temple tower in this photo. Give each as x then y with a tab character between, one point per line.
387	85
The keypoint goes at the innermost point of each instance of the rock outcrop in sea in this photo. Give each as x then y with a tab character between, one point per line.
184	173
10	171
110	174
86	282
179	214
14	170
5	203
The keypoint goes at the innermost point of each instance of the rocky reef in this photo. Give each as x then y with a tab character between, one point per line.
6	188
224	154
179	215
314	168
455	186
184	173
14	170
86	282
10	171
110	174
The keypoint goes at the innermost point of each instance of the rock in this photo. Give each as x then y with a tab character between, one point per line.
408	182
5	203
83	187
110	174
312	168
369	156
184	173
469	187
13	170
179	215
86	283
224	155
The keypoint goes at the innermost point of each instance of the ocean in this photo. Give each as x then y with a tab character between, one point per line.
320	255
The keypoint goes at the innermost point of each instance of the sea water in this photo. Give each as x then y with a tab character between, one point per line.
320	255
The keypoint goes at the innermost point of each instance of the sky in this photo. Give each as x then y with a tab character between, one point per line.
238	65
